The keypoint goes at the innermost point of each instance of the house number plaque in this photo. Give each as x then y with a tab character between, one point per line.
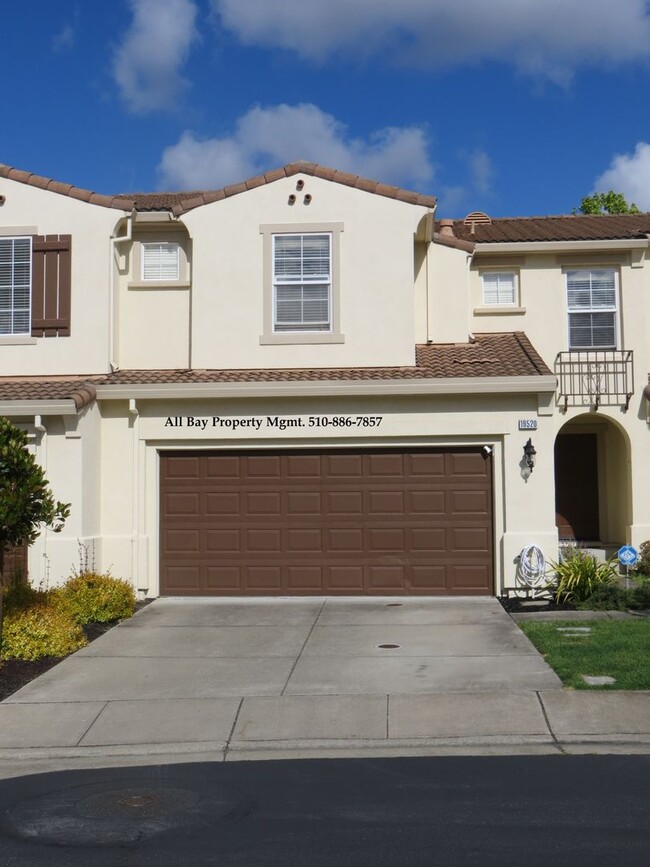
527	424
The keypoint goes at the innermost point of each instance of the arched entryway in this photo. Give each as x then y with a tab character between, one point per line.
592	481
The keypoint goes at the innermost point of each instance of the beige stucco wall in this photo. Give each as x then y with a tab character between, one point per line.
376	276
29	210
523	509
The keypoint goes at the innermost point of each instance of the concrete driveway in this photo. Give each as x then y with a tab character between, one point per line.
228	672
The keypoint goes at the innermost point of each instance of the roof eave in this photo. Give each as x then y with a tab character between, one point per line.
542	384
560	246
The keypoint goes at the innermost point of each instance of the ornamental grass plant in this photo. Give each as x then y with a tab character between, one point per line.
578	575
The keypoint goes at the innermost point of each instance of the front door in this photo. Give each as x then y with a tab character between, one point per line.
576	486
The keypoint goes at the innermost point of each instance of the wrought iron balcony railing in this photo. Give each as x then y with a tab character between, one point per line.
595	377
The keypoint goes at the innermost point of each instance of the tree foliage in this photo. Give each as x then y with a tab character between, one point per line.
26	501
606	203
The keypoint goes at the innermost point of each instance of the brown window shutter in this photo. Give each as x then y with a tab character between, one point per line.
51	279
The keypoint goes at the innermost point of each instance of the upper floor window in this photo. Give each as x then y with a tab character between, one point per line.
592	308
499	288
15	285
160	261
302	282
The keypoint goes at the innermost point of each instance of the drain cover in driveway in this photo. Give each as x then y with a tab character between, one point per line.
101	815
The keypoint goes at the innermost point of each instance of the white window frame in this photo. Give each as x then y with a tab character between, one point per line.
499	302
613	309
160	277
303	281
270	334
12	286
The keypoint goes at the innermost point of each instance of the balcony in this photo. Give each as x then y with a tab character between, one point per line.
595	377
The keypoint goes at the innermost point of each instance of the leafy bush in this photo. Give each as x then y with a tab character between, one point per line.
643	563
579	574
38	631
640	595
91	597
20	595
607	597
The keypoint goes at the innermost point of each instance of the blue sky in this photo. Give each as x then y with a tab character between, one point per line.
512	107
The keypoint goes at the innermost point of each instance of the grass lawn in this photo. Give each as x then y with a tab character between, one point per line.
618	648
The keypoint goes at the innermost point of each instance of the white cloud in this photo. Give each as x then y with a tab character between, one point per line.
482	171
265	138
147	64
549	38
64	39
629	174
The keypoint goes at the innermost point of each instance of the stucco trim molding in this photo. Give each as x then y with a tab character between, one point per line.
442	386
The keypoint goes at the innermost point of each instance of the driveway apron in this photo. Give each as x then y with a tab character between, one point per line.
218	671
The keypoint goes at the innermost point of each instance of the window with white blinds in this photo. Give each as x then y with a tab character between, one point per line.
591	304
160	261
499	288
302	282
15	285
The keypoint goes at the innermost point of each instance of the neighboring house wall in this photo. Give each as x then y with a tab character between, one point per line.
28	210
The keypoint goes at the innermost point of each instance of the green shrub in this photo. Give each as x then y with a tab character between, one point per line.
643	563
21	595
579	574
38	631
639	596
607	597
91	597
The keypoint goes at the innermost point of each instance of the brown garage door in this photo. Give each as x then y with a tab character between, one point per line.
336	522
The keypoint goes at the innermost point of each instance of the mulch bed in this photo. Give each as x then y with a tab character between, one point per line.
16	673
515	605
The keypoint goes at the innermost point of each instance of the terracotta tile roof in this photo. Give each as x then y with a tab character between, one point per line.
42	183
81	391
493	355
180	202
509	354
561	228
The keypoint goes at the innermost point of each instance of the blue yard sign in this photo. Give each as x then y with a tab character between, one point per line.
627	555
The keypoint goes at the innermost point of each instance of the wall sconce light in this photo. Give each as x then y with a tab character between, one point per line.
529	455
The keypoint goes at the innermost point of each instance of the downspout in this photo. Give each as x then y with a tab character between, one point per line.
428	240
112	301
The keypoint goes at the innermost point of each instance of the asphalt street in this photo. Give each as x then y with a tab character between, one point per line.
533	810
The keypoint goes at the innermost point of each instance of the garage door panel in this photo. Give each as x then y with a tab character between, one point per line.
387	578
345	503
469	579
339	522
431	464
344	539
469	502
220	578
304	503
267	466
429	579
182	542
183	579
343	466
301	578
222	467
304	540
432	540
266	503
223	503
304	467
427	502
226	541
384	539
386	503
345	578
469	539
386	465
263	578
